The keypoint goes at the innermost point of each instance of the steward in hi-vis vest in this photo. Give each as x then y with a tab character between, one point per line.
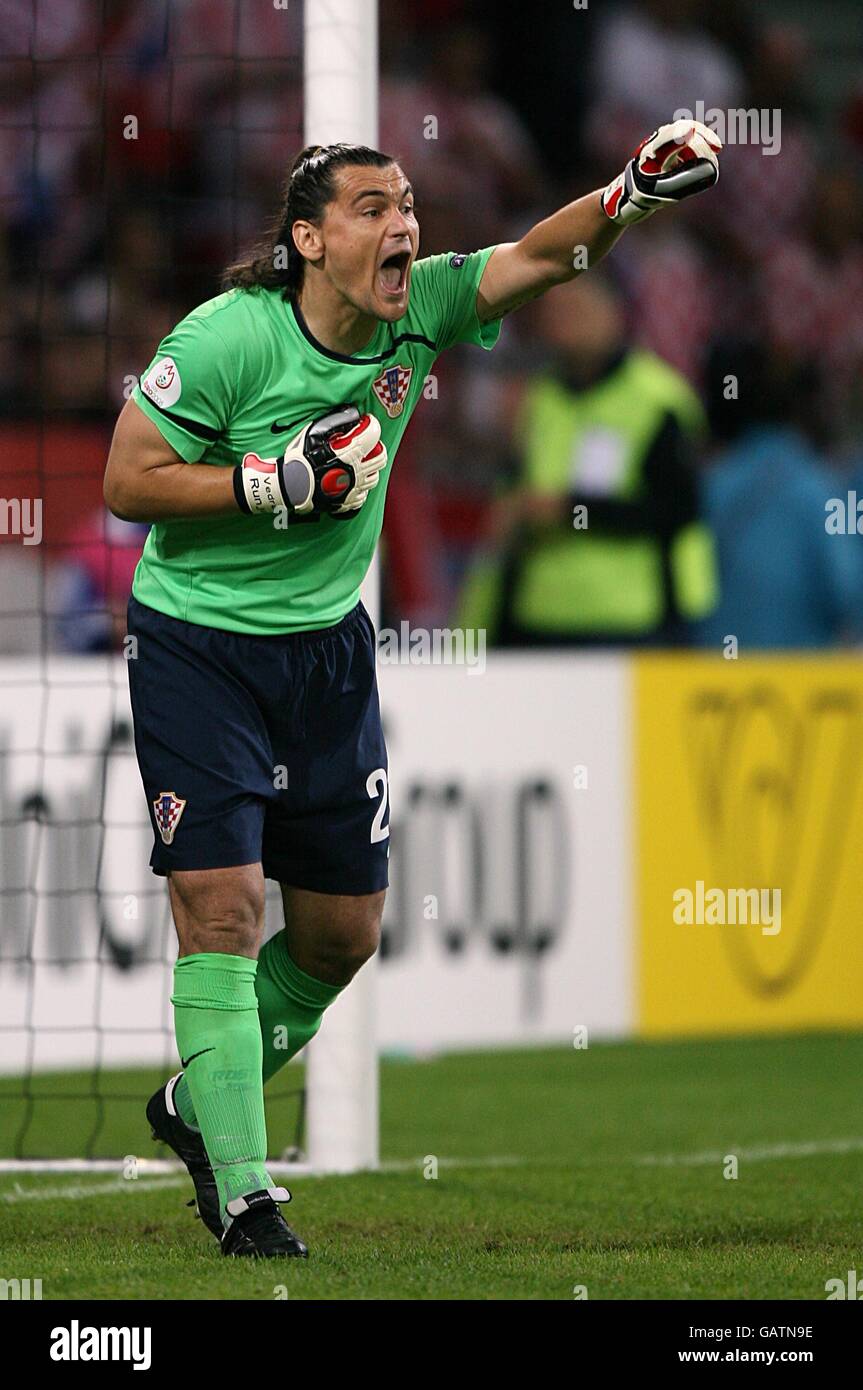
599	540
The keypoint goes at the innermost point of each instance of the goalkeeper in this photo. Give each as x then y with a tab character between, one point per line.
258	443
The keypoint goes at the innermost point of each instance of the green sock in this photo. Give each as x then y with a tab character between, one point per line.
290	1004
290	1008
219	1041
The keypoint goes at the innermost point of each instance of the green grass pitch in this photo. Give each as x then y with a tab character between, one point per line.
557	1169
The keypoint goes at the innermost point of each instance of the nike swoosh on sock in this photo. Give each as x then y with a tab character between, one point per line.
186	1060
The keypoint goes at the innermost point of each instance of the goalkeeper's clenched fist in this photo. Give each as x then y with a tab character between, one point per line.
331	466
674	162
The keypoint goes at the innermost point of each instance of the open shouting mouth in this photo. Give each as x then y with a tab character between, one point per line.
393	274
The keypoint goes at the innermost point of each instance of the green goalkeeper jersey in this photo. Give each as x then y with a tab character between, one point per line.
243	374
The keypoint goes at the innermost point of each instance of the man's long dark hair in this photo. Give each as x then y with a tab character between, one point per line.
276	263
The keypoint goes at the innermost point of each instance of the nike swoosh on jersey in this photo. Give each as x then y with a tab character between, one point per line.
276	428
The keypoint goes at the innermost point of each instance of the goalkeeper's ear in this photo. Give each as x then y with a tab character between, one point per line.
308	240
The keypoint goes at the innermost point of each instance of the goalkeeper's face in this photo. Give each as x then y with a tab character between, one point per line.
370	238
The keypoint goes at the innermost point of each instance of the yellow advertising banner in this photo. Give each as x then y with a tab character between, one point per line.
749	843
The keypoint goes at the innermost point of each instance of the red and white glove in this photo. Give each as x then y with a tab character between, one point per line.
674	162
331	466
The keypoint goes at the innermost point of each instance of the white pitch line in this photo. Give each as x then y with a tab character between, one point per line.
757	1154
149	1167
170	1173
99	1189
167	1179
407	1165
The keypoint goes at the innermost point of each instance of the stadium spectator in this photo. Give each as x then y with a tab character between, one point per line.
811	296
785	581
677	327
644	52
473	161
599	539
89	587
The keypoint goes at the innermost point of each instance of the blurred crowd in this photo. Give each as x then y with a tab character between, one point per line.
648	454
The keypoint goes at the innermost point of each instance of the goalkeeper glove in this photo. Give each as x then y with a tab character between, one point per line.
330	466
674	162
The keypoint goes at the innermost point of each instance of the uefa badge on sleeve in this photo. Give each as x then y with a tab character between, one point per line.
391	387
162	383
168	808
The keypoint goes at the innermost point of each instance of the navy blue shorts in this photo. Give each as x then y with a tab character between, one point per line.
263	748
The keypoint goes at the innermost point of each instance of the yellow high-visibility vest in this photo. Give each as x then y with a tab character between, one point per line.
587	581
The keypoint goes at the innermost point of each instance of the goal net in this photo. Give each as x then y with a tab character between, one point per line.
145	146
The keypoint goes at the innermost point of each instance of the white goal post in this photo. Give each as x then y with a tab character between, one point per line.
340	90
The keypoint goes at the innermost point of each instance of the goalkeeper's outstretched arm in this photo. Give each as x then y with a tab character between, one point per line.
674	162
549	254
